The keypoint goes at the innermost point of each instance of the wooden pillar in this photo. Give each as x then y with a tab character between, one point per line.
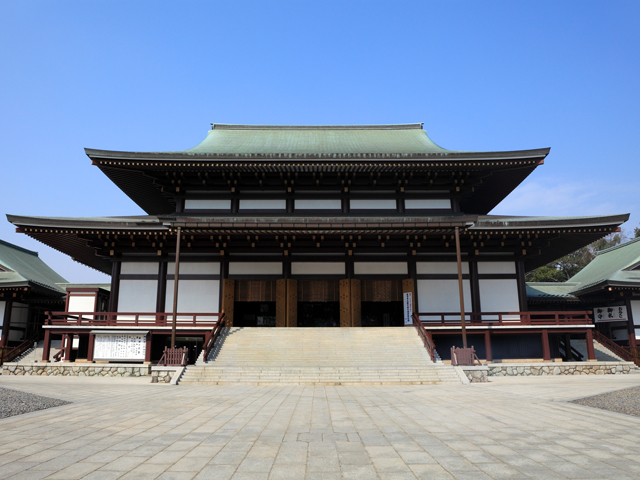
474	282
6	325
356	302
546	353
461	288
228	299
281	302
292	303
176	281
115	286
147	351
92	341
487	346
46	350
67	347
345	302
591	354
522	286
567	347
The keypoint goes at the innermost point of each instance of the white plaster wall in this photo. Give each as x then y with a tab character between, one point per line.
381	268
82	303
139	268
263	204
258	268
195	268
317	268
496	267
194	296
635	314
206	204
439	296
499	296
440	267
137	296
373	204
318	204
427	204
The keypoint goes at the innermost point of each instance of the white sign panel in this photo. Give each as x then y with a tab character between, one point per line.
408	308
120	346
610	314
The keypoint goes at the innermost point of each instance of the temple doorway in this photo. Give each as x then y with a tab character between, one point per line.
382	303
254	303
318	303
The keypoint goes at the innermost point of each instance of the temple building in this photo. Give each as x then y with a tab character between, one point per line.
318	226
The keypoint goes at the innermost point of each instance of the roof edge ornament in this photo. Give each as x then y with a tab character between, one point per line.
401	126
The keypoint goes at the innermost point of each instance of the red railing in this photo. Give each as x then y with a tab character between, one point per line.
8	354
424	335
137	319
628	355
211	337
464	356
452	319
174	357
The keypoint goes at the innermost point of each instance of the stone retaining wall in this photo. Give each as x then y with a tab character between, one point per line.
162	374
77	370
476	374
565	368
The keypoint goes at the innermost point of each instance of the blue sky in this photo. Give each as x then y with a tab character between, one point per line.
152	75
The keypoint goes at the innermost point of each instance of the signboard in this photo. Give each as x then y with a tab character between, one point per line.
610	314
408	308
120	346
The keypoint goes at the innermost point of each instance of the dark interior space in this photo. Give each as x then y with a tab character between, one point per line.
254	314
382	314
318	314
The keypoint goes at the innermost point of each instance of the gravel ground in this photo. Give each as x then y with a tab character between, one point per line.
13	402
622	401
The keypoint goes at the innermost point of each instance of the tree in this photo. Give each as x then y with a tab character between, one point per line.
636	232
566	267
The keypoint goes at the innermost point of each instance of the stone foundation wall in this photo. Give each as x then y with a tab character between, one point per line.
77	370
476	374
162	376
567	368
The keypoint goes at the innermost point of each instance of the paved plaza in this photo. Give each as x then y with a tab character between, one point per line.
509	428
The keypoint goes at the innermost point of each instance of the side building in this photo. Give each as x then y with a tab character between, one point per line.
318	226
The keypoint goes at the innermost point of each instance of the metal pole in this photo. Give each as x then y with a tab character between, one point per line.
462	319
175	292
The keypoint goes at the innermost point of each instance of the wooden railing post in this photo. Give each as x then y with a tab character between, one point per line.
546	353
591	354
487	346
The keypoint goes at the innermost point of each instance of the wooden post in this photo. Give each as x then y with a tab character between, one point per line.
591	354
147	351
175	291
92	340
161	294
46	350
487	346
546	353
115	286
292	303
460	289
6	325
67	347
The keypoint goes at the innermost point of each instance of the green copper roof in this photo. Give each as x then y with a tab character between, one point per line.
19	266
551	290
313	140
619	265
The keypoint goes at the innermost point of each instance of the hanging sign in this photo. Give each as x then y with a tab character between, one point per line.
610	314
408	308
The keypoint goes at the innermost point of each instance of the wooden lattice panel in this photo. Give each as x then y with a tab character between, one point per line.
345	303
356	303
281	303
228	299
318	291
255	291
381	291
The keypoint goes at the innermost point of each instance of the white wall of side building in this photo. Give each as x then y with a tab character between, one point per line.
440	296
635	314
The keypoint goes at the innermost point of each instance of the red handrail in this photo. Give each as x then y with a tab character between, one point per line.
132	319
506	318
211	337
174	356
615	348
424	335
8	354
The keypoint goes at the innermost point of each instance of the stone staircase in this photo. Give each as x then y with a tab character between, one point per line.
603	354
319	356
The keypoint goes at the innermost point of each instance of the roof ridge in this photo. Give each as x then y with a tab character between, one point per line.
620	245
399	126
16	247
